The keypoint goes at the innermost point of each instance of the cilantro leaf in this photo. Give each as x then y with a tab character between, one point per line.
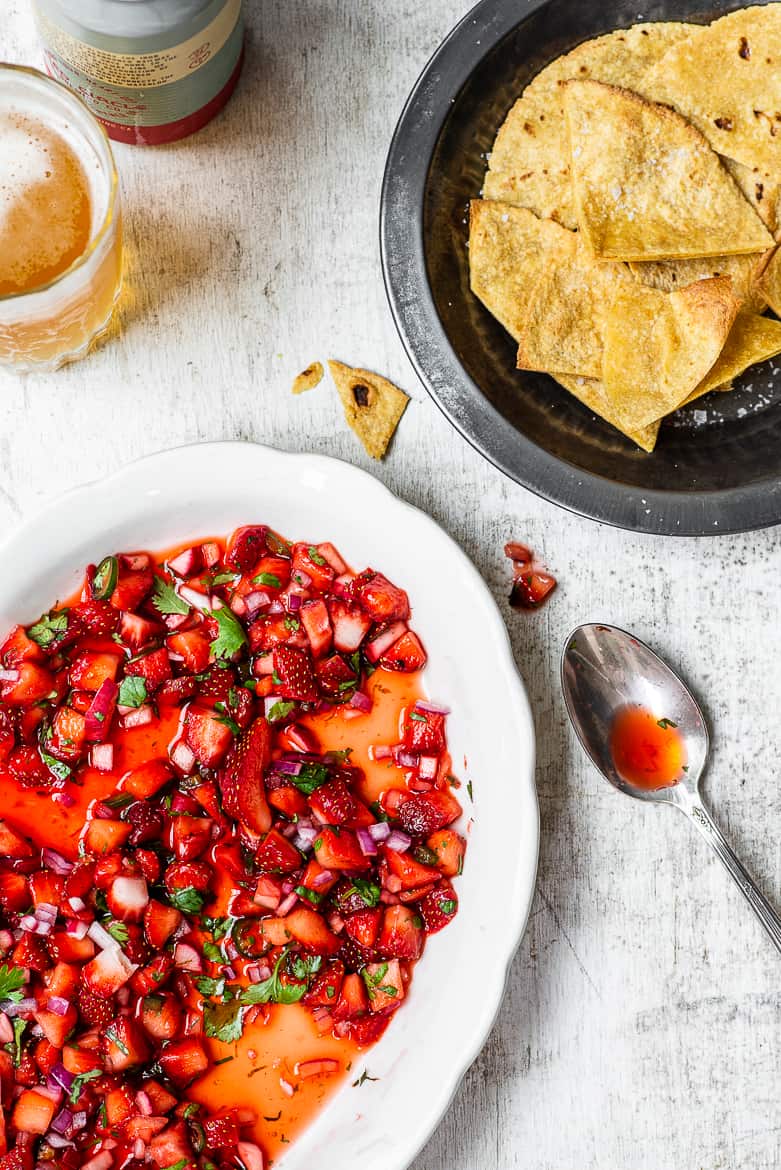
46	631
223	1021
315	557
111	1034
367	891
267	579
231	637
188	900
210	987
363	1078
56	767
665	723
132	691
15	1046
310	777
11	982
166	600
80	1081
280	711
273	990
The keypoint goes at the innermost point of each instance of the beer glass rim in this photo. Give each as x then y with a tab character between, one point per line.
107	222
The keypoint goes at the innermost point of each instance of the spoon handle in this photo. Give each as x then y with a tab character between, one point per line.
757	901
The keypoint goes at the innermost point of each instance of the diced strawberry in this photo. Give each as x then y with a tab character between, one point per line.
367	1029
276	854
46	887
33	684
33	1112
14	892
222	1130
412	874
402	934
19	1158
531	586
81	1060
147	779
137	631
217	684
364	926
423	814
160	922
326	988
106	867
68	735
350	624
13	844
194	647
66	948
183	1060
98	617
153	975
107	972
270	572
407	654
128	898
306	559
120	1105
124	1044
334	804
55	1026
294	669
318	879
161	1015
438	907
385	985
308	928
288	800
28	769
334	676
90	670
62	980
353	1000
267	632
188	837
183	874
339	850
383	601
131	588
18	648
186	563
154	668
424	731
245	547
450	849
104	836
241	779
207	735
162	1100
7	735
317	624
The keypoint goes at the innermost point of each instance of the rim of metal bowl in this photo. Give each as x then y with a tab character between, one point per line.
670	513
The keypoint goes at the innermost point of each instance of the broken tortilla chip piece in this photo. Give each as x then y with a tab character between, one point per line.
372	405
659	346
647	184
529	164
743	271
751	339
563	329
508	247
761	190
591	393
308	378
770	283
726	79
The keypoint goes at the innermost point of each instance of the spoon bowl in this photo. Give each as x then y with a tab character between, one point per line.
606	671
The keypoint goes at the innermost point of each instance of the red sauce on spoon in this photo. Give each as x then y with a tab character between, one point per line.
648	750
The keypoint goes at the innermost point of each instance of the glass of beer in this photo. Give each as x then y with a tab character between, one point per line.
60	230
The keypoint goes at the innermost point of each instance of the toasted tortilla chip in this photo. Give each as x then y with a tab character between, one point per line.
508	247
744	272
647	184
751	339
372	405
761	190
726	79
564	325
591	393
770	283
660	346
529	163
308	378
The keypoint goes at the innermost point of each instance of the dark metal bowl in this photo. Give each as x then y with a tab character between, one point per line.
717	466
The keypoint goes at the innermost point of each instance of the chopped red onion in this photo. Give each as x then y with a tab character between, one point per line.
288	767
57	1004
23	1008
366	842
139	1150
63	1122
44	927
427	767
238	605
253	973
46	912
377	647
382	751
251	1155
288	886
407	759
322	879
398	841
187	958
28	923
307	832
77	904
175	621
101	937
54	860
294	602
76	928
144	1103
361	702
286	905
102	757
66	799
380	831
434	708
6	1029
11	676
276	607
183	757
139	717
97	720
199	601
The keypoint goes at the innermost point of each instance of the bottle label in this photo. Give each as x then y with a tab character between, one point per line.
142	70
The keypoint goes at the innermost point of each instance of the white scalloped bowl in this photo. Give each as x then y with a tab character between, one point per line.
211	489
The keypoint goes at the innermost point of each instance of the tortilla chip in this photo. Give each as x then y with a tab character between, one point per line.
744	272
726	78
308	378
647	184
564	325
659	346
372	405
508	247
761	190
770	283
751	339
591	392
529	163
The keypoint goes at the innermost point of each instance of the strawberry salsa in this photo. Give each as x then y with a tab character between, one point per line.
229	864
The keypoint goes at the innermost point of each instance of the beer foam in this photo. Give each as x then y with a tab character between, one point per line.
24	162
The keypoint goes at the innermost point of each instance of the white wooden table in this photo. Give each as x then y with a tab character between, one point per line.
640	1030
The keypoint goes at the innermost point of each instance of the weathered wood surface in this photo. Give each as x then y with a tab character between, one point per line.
641	1025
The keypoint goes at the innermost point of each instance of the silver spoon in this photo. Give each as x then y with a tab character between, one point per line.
603	670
